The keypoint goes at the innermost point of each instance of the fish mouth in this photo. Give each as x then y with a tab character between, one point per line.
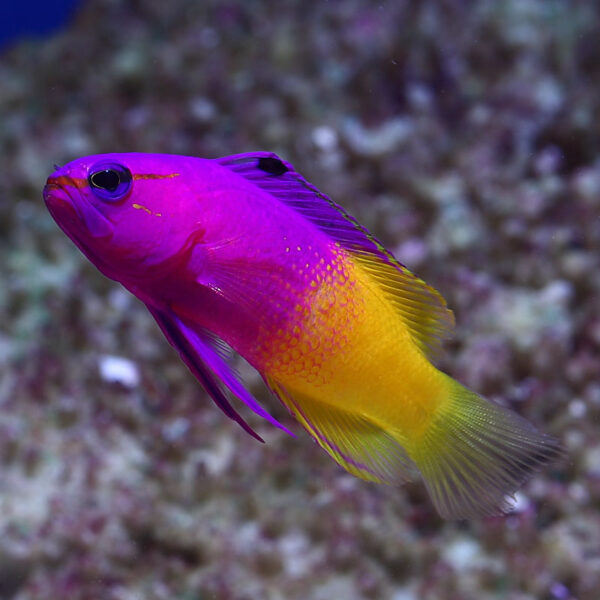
73	215
62	208
82	222
53	193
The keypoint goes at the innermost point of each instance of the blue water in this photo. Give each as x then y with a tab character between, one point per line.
22	18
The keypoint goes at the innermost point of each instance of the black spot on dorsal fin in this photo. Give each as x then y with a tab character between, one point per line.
421	307
272	165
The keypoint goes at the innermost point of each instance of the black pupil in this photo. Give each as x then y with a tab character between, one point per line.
107	180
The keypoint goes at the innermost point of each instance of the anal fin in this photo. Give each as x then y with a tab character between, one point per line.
353	440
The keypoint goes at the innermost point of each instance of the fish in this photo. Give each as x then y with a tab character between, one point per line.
243	254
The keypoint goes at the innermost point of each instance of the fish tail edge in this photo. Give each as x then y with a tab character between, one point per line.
475	454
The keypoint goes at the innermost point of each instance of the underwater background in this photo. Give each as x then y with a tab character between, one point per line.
465	135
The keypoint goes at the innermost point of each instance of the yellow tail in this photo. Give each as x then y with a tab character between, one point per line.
473	455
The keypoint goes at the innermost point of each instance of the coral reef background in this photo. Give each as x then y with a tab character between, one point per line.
465	135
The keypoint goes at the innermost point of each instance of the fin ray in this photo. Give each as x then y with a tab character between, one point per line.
477	453
353	440
203	354
420	306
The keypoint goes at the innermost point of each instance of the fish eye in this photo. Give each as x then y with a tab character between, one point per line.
110	181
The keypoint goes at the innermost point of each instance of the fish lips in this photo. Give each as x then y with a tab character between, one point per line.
73	215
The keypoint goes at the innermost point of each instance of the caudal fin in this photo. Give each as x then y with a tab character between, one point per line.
475	454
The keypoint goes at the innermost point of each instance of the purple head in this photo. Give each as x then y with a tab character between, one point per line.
128	213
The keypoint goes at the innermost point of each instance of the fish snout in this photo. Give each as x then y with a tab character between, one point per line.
51	190
72	213
55	196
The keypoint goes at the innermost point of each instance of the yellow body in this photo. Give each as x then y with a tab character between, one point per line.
354	369
362	356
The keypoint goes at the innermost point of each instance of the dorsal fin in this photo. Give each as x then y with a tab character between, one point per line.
420	306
